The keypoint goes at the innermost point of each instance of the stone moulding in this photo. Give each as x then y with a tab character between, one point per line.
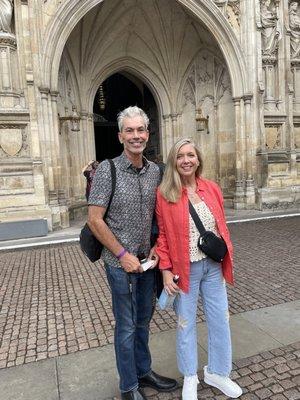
7	39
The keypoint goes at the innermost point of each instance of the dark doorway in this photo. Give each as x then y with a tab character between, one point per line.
116	93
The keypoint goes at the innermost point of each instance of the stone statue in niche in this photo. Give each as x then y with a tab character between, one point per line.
270	28
295	29
6	11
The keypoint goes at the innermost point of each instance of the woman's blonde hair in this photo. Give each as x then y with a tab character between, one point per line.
171	185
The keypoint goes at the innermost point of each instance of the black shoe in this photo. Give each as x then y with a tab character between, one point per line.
158	382
136	394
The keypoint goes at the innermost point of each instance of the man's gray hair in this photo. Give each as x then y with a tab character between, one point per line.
131	112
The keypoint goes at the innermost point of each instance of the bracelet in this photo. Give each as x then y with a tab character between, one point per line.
121	254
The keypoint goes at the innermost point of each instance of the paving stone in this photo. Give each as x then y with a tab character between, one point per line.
264	393
55	302
293	394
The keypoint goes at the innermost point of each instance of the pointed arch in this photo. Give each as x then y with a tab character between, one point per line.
69	14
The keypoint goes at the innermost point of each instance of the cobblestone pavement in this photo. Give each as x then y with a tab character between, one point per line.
54	302
272	375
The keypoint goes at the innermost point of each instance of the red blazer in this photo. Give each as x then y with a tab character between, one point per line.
173	240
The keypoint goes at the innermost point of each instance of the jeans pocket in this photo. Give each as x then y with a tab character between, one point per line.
118	279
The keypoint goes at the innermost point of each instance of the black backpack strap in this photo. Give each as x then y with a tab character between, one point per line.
113	183
196	219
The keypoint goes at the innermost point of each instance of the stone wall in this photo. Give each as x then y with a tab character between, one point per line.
235	62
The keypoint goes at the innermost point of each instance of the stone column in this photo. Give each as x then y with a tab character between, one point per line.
90	131
269	67
57	157
239	195
46	138
215	129
167	134
10	95
250	146
296	84
294	107
88	150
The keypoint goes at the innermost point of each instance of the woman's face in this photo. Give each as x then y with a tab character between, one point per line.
294	6
187	161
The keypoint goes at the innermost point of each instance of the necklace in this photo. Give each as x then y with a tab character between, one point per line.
191	189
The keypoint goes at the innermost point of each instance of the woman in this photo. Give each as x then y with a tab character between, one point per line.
89	171
198	274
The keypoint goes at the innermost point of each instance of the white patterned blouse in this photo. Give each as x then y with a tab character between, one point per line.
209	223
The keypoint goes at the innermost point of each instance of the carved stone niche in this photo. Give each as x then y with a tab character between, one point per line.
10	92
273	134
13	140
297	135
295	67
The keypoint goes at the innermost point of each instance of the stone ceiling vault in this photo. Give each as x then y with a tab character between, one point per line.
138	31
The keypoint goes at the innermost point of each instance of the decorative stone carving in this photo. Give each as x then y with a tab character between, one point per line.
13	141
204	74
270	28
297	135
224	83
189	88
233	14
6	10
231	10
295	29
295	68
273	136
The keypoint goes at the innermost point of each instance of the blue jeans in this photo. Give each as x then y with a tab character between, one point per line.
206	280
133	306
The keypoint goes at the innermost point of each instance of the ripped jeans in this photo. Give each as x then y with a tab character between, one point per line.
206	281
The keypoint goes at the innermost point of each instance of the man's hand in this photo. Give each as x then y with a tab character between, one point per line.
130	263
169	285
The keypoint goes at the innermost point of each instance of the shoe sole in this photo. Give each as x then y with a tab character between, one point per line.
141	385
211	383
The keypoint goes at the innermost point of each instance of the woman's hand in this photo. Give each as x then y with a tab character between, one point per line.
153	257
169	285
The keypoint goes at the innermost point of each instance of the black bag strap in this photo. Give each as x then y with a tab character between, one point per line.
113	183
196	219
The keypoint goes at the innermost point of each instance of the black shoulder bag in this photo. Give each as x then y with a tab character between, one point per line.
89	244
213	246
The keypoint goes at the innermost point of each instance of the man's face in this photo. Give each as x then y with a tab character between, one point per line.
134	135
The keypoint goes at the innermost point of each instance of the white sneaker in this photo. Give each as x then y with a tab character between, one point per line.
189	390
223	383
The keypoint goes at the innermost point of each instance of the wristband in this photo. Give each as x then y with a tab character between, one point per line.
121	254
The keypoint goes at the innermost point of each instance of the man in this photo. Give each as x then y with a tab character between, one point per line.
125	234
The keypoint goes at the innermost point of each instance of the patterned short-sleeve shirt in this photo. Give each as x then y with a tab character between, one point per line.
131	211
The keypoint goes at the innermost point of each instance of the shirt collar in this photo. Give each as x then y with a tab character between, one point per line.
127	165
200	186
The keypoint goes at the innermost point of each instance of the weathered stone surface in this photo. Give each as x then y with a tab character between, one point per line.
235	61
